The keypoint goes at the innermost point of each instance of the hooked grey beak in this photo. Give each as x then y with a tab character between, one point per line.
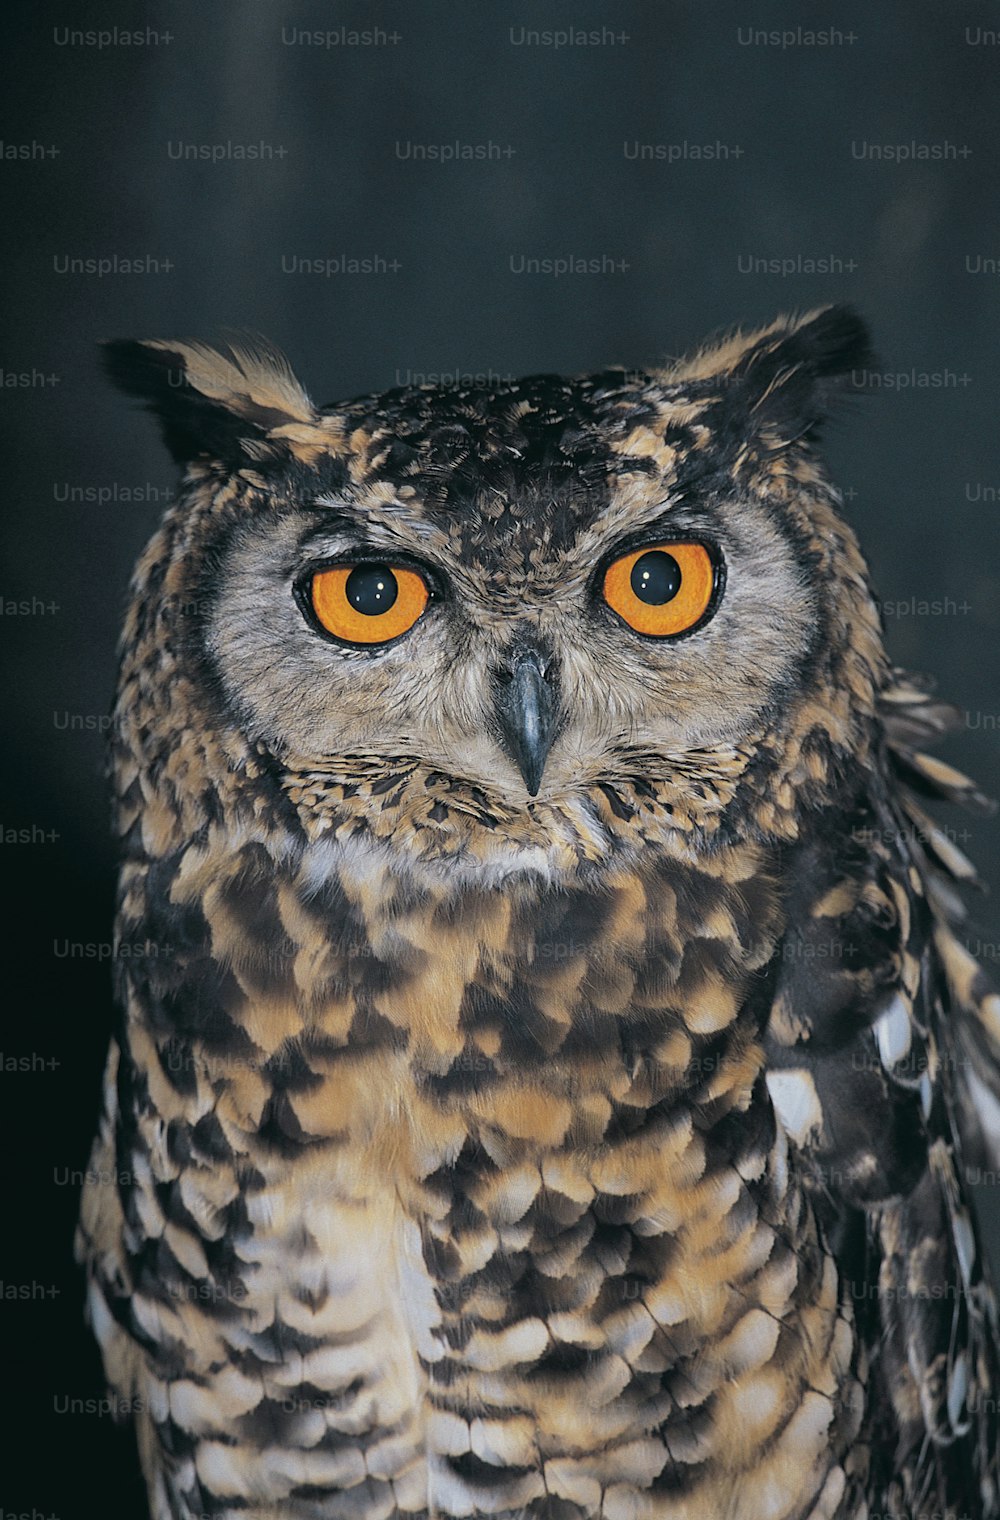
524	694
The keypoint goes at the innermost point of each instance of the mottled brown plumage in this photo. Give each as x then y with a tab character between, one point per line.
587	1148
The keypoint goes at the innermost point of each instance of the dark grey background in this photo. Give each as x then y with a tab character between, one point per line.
905	241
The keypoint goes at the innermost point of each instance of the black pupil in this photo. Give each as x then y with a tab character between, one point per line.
371	589
656	577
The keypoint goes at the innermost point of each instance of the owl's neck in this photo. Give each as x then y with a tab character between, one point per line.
631	987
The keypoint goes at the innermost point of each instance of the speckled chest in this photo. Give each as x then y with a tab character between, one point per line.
292	969
499	1154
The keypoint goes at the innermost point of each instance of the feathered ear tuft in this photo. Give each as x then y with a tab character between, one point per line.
226	405
789	375
794	376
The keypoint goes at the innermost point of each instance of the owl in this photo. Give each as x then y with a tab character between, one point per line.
548	1073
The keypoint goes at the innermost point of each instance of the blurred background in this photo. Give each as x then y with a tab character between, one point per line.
377	188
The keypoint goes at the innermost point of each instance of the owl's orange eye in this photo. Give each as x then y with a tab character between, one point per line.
663	589
370	603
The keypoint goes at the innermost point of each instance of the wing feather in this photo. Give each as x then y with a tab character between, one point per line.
898	1030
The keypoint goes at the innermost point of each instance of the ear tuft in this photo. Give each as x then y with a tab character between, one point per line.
786	377
825	344
211	402
793	373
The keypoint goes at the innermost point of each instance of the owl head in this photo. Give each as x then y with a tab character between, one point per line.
569	615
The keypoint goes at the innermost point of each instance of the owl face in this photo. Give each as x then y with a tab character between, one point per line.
531	592
526	664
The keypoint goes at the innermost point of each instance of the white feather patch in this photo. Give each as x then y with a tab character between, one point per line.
796	1102
958	1386
894	1032
965	1244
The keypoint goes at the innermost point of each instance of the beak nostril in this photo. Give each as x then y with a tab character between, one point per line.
547	669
